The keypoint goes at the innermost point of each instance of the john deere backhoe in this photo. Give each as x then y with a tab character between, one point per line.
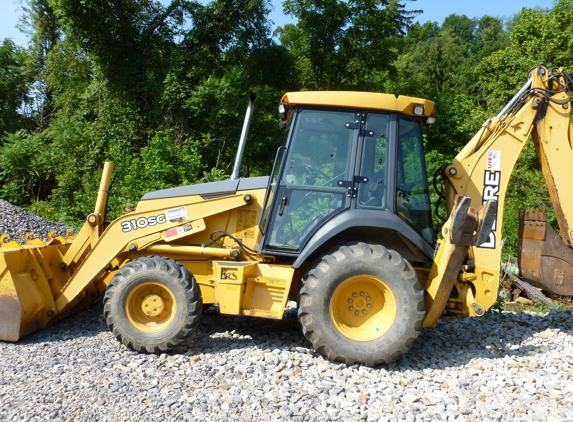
342	226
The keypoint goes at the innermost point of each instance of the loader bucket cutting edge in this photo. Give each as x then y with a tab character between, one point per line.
29	281
10	309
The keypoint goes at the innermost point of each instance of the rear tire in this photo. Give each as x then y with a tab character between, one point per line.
363	304
152	304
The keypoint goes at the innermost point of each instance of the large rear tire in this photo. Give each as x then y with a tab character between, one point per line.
363	304
152	304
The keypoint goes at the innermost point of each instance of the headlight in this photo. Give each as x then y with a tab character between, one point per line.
283	111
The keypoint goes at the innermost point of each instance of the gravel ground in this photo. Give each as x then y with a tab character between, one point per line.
509	366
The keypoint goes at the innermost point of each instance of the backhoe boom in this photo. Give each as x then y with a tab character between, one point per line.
481	171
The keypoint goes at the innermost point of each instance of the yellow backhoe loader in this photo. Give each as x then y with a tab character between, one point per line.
342	225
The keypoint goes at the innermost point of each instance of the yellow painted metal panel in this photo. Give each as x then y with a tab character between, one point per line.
230	284
359	100
133	226
267	291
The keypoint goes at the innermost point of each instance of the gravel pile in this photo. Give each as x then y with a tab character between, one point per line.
17	222
508	366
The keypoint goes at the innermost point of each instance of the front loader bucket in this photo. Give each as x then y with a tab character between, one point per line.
544	260
30	279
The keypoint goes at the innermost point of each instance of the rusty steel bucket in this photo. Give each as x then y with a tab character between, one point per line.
544	259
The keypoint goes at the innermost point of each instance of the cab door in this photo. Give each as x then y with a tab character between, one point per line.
316	179
392	168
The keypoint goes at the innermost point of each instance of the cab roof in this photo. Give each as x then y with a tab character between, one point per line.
359	100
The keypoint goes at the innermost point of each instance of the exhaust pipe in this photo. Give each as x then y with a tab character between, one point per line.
243	139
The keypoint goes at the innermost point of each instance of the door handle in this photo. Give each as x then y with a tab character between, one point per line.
282	207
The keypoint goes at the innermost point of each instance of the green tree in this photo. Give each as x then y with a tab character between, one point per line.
161	91
438	63
13	88
537	36
341	44
26	170
42	27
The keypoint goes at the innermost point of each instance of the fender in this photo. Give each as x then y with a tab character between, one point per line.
367	219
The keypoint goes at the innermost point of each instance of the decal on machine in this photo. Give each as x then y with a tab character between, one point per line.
177	231
491	186
176	214
142	222
493	160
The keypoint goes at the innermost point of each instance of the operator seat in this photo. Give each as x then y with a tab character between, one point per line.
376	189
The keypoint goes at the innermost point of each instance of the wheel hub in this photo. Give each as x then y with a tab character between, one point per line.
152	305
360	304
363	307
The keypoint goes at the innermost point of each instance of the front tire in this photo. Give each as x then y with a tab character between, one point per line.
152	304
363	304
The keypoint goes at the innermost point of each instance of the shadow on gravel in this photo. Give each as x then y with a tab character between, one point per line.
86	323
455	343
452	343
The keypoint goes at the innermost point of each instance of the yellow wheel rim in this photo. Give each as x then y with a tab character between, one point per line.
150	307
363	308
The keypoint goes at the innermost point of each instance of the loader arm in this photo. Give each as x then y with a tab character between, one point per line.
145	230
482	169
43	282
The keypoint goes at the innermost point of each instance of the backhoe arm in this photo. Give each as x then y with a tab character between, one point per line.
482	171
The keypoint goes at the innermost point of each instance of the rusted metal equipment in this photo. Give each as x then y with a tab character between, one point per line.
544	259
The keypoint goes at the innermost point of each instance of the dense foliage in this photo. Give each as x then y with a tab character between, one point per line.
162	90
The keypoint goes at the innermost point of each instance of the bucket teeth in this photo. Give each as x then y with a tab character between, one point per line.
9	243
533	216
55	239
30	240
70	235
532	224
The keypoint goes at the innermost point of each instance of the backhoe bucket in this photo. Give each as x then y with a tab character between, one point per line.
544	260
29	282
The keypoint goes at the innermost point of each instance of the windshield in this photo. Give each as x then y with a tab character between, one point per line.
319	152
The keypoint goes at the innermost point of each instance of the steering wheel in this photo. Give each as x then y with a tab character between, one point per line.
314	171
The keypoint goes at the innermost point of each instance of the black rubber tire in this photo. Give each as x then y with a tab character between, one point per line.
159	272
346	263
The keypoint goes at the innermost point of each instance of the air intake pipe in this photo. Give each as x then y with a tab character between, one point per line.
243	139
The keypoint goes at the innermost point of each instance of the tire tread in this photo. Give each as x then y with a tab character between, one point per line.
182	277
311	299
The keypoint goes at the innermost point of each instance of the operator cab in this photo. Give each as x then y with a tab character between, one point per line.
347	151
